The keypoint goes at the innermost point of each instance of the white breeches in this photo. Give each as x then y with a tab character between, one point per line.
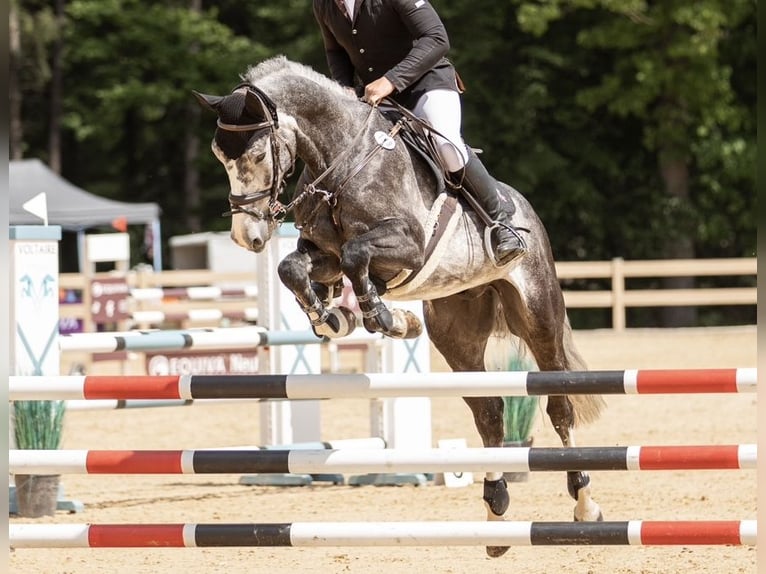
441	109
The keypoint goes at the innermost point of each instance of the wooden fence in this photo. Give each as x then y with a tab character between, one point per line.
616	273
619	298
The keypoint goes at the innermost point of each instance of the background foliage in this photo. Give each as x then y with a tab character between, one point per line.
629	124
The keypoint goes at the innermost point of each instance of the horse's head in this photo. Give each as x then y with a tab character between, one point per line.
257	160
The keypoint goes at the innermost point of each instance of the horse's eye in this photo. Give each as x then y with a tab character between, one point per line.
259	157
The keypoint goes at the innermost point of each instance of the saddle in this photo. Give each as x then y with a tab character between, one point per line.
419	141
418	135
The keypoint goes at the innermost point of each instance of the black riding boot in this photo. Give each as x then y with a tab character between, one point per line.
498	205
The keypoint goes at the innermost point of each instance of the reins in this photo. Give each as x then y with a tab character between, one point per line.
332	197
311	188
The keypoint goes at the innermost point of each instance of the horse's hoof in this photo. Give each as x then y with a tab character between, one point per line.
599	518
496	551
340	323
407	325
414	326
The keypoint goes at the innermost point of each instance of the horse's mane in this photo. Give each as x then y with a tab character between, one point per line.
280	65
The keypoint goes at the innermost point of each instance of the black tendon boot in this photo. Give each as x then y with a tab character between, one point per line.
498	205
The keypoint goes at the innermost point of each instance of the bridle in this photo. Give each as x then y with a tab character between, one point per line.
243	203
277	210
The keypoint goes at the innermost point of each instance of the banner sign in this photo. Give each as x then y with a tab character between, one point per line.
218	362
109	300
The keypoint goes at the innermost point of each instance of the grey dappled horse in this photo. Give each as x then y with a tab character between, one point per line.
367	209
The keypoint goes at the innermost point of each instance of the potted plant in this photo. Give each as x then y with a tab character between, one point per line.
37	425
518	416
518	412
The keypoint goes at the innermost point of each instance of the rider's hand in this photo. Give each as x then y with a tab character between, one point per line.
377	90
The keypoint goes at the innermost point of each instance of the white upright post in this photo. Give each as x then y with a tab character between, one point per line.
285	422
34	310
404	422
35	293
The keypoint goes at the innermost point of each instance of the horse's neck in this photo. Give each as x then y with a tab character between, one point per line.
325	124
329	133
322	143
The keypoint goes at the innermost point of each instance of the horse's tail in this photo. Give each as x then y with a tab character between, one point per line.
504	349
587	408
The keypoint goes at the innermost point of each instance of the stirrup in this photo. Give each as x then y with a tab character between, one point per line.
520	252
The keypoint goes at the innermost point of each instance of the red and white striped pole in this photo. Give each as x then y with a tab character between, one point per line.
299	534
378	385
366	460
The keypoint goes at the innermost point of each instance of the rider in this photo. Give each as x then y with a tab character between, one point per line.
397	48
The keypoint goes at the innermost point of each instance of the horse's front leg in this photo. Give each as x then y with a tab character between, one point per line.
391	247
312	275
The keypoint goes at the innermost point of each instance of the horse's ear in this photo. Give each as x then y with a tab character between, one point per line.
254	105
209	102
259	105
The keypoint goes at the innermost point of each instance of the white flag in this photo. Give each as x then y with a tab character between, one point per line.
38	206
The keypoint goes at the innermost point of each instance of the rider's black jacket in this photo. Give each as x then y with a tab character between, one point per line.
403	40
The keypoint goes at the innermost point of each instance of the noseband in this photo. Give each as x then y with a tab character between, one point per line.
242	203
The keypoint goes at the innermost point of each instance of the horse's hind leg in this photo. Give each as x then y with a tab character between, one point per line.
561	412
567	412
459	327
544	327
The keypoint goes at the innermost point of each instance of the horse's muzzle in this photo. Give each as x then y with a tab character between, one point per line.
257	245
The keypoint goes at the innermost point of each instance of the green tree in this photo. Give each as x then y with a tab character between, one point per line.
630	125
670	66
520	108
672	77
131	67
286	27
32	31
